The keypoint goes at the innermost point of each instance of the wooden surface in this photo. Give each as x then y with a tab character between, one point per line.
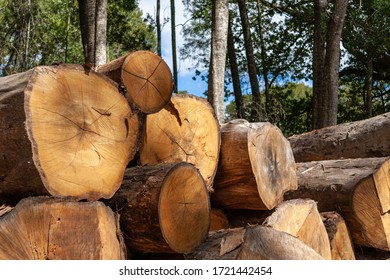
360	139
43	228
356	188
256	167
185	130
163	208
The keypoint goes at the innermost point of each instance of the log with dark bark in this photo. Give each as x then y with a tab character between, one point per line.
358	189
360	139
256	167
163	208
43	228
185	130
253	243
340	241
146	77
64	130
300	218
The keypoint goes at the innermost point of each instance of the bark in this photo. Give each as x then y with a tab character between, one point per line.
158	27
61	135
301	219
173	39
348	140
185	130
256	167
252	71
326	61
163	208
216	90
358	189
253	243
146	78
42	228
93	25
340	240
235	73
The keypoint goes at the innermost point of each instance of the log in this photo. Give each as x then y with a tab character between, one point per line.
256	167
218	220
185	130
340	241
300	218
360	139
64	130
163	208
358	189
253	243
43	228
146	77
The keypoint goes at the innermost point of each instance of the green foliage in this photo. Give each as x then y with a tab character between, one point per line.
289	109
41	32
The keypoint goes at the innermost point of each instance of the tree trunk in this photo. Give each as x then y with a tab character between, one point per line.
158	27
253	243
356	188
256	167
146	77
173	37
42	228
326	61
185	130
301	219
235	73
80	139
163	208
216	83
252	71
348	140
340	241
93	25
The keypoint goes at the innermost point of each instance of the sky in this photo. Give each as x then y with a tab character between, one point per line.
185	81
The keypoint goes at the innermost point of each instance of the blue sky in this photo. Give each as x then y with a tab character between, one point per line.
185	67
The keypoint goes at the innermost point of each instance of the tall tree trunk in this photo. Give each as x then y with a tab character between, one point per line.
158	27
174	57
252	71
368	88
93	23
219	36
235	73
326	61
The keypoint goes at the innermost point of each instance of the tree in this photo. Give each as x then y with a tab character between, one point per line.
326	60
173	38
93	25
158	27
252	69
216	91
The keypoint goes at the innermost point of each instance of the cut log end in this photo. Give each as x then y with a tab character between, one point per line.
82	130
148	81
34	230
182	207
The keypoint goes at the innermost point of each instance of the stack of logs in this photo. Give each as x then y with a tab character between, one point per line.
108	163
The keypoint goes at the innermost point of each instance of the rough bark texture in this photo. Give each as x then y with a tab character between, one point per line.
93	23
185	130
146	78
216	90
340	241
358	189
163	208
42	228
253	243
326	61
301	219
256	167
360	139
250	56
80	139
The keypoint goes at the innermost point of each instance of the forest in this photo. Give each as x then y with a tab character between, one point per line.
285	61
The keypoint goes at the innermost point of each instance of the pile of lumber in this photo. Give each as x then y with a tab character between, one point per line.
108	163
